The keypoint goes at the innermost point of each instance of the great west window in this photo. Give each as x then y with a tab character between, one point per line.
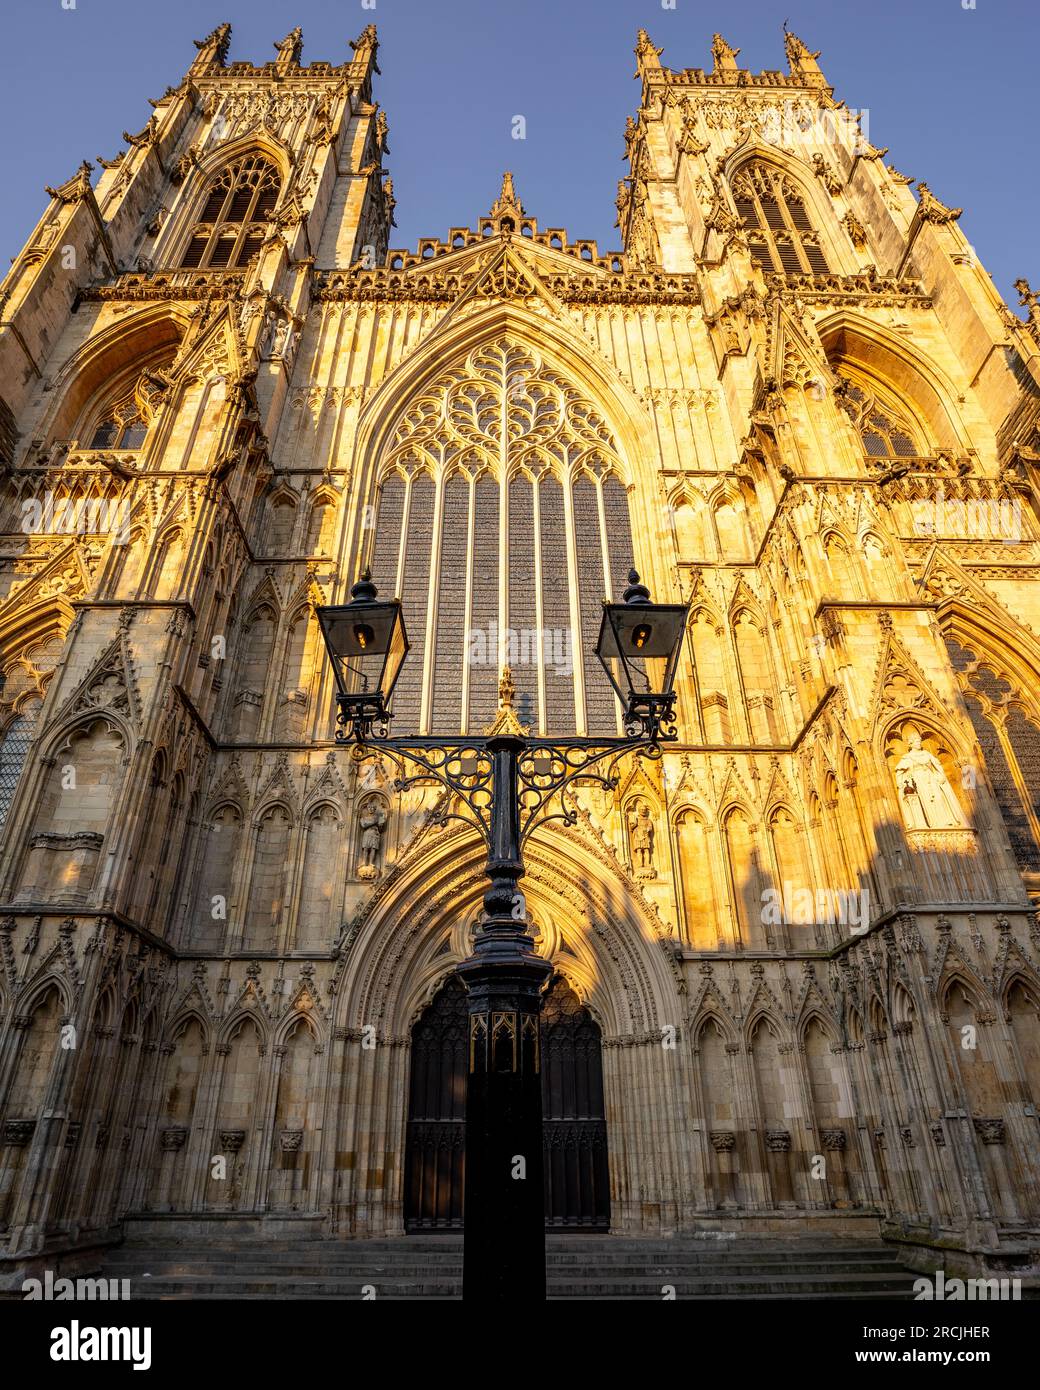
502	523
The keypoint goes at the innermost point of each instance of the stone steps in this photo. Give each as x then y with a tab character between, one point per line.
377	1269
576	1267
876	1286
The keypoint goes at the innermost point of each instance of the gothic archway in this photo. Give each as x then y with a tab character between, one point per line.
577	1184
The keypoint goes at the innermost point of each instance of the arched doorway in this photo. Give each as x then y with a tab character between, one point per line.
577	1184
436	1139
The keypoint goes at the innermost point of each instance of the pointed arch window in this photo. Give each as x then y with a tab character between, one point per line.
1009	736
780	233
502	522
119	432
120	413
235	216
886	434
14	748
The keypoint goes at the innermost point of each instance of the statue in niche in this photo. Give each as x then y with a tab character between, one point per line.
282	339
641	841
371	823
925	795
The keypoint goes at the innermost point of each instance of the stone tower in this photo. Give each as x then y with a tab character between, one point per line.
800	950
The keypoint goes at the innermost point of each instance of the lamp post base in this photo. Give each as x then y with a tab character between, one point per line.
504	1248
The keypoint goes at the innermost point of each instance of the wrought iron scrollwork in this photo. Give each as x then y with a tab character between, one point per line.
652	717
464	766
358	721
547	771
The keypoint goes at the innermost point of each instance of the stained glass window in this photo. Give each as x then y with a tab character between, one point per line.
547	547
14	745
885	435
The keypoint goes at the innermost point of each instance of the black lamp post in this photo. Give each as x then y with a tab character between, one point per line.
510	783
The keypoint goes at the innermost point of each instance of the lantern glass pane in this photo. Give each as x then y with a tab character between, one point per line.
638	646
367	644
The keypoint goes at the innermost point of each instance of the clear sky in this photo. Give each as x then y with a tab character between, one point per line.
951	90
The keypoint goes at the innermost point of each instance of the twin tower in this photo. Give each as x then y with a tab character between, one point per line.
795	959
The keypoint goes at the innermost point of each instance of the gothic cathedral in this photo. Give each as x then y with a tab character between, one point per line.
796	960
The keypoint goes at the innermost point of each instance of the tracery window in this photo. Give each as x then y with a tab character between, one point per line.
120	413
14	747
885	433
117	431
234	219
1009	736
502	523
780	234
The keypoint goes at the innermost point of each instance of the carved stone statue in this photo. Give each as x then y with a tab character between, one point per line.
925	795
281	339
641	837
372	824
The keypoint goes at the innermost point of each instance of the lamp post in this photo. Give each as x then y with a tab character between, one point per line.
509	783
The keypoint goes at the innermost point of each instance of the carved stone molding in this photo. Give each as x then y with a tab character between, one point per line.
17	1133
990	1130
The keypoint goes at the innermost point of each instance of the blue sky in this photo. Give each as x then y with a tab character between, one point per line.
950	89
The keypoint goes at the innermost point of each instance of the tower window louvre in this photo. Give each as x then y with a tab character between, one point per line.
760	252
768	202
748	212
234	217
788	258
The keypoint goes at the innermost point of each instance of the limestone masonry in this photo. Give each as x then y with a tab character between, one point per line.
796	959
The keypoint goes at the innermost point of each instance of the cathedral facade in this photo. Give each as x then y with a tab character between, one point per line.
796	982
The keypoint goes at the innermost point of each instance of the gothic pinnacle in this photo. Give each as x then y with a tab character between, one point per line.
723	54
290	49
801	59
507	204
213	49
366	46
648	57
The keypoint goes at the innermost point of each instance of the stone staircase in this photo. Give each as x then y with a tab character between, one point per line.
604	1267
